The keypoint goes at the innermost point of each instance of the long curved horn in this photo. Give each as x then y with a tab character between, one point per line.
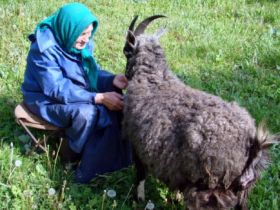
130	39
131	27
143	25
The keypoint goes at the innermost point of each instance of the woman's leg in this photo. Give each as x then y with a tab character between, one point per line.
78	121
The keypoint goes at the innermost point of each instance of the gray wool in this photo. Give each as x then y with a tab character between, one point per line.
187	138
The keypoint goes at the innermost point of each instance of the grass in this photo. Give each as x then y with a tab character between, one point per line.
227	48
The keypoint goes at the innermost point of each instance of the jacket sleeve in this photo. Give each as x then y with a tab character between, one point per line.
49	76
105	81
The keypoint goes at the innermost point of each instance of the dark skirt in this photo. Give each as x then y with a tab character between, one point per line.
105	151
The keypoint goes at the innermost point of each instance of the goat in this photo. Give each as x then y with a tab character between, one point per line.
192	141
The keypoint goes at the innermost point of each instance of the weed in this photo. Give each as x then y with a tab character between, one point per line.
228	48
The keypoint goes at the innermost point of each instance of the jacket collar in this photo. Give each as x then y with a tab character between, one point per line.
46	39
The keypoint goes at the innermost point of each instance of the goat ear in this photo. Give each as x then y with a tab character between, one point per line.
130	38
129	44
160	32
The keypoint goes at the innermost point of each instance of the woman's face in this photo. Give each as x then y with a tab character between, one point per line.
83	39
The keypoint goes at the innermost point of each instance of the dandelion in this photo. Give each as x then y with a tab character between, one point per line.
150	205
60	206
11	158
273	31
18	163
111	193
51	191
103	199
34	206
27	193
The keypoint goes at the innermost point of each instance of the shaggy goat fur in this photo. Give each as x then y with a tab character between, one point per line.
192	141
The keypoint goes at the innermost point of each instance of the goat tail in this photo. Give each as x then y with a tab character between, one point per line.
259	158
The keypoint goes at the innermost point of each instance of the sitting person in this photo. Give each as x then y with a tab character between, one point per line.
65	86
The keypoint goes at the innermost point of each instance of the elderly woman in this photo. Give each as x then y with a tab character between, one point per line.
65	86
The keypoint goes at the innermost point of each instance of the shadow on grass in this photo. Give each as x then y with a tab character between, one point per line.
10	131
8	126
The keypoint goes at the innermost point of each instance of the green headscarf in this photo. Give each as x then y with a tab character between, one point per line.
67	24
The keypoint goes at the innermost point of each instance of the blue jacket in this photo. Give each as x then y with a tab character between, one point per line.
54	76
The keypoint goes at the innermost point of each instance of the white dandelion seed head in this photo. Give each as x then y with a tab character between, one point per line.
150	205
18	163
51	191
111	193
27	193
60	206
34	206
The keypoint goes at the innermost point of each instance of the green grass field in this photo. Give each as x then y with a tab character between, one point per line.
227	48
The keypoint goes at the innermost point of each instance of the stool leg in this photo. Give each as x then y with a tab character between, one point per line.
37	142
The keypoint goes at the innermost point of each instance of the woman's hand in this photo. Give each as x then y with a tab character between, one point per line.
112	100
120	81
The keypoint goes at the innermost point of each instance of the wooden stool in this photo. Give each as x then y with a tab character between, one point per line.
26	119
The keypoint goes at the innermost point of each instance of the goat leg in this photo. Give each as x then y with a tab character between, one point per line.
140	179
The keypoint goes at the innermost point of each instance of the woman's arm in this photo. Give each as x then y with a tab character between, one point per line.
49	76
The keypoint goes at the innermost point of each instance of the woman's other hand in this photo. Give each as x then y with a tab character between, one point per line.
112	100
120	81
